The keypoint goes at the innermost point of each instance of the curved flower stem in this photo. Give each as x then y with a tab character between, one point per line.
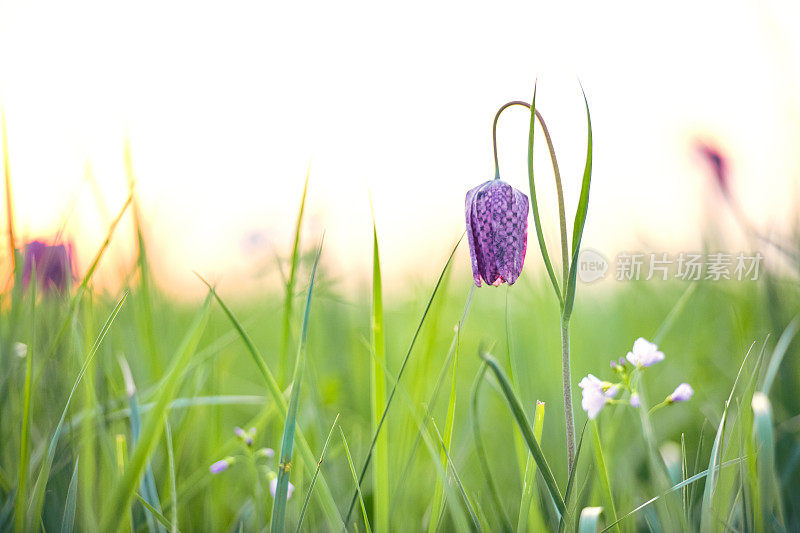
559	189
565	262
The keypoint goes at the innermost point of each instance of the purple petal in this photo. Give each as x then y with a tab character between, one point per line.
470	234
482	228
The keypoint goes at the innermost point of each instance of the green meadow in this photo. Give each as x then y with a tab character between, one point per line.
437	407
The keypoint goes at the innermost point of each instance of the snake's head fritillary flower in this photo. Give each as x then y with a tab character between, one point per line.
221	465
497	230
596	394
644	353
273	487
682	393
53	264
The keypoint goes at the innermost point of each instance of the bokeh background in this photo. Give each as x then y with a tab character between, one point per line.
227	106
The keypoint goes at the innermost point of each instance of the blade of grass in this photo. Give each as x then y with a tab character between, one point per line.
152	511
290	284
522	422
316	473
580	217
355	480
380	491
148	484
37	498
777	355
326	499
287	444
12	243
535	206
123	492
438	493
526	513
480	451
173	485
605	481
764	437
458	514
675	487
399	377
24	446
716	455
68	519
457	478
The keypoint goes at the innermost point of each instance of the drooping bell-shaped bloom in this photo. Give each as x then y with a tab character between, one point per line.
497	230
53	264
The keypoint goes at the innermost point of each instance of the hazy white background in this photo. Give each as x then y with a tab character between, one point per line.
227	103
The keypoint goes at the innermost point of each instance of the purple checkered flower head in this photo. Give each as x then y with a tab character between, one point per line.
53	264
497	230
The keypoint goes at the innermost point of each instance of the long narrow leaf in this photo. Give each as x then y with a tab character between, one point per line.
527	432
355	480
535	205
68	518
287	444
316	474
580	217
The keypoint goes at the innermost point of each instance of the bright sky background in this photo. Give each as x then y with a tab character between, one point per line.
227	103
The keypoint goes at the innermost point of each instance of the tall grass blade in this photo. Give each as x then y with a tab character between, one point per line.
457	478
316	474
480	451
12	243
605	481
156	514
68	519
355	480
675	487
527	432
288	302
173	484
37	501
716	455
580	217
764	436
438	493
781	347
526	510
24	447
287	444
399	377
123	492
380	492
535	205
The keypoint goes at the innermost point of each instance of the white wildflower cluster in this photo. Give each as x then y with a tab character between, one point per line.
598	393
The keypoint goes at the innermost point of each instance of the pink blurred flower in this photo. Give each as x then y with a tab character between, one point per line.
644	353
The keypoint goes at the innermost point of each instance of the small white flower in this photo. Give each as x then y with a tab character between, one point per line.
635	400
273	487
596	394
681	393
20	349
644	353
